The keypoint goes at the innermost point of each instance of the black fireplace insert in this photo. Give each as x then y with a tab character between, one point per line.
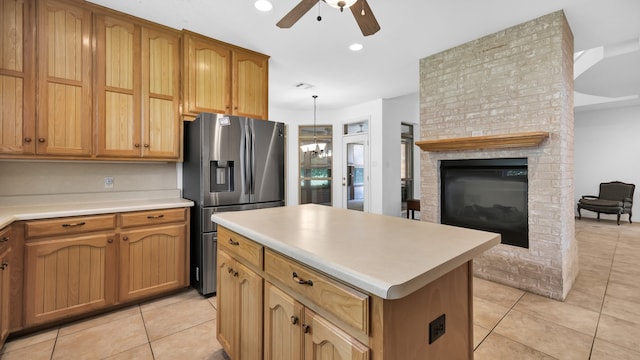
487	194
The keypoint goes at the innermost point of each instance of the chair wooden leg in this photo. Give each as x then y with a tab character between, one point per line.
618	219
579	214
598	216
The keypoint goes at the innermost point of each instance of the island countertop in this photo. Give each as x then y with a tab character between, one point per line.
389	257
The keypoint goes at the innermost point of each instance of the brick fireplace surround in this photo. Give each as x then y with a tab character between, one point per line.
516	80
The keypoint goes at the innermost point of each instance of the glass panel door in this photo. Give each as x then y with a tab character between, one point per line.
355	176
316	158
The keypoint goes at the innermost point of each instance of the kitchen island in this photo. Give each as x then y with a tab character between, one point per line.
324	280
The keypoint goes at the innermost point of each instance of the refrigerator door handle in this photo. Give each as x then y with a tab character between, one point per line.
245	156
252	156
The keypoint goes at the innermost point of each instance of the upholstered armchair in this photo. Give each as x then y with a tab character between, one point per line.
614	198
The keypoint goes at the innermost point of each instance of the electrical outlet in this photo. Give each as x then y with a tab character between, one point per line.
108	182
436	328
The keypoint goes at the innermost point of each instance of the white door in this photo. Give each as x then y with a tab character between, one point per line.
355	172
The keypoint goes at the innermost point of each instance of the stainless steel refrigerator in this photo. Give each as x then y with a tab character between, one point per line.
231	163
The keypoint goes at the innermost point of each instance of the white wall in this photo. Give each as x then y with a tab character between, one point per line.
384	118
403	109
607	148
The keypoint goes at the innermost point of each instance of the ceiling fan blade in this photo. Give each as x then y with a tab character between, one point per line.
296	13
367	22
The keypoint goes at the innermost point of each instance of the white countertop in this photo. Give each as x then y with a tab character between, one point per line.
9	214
386	256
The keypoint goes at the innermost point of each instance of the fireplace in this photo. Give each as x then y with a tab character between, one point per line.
487	194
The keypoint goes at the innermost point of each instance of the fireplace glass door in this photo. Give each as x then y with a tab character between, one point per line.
487	194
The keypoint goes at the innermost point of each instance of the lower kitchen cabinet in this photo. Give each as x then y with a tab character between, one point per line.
69	276
5	292
80	265
292	331
152	261
240	297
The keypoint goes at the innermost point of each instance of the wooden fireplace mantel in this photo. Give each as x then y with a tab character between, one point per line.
504	141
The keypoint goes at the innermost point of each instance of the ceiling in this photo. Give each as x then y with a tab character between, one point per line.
317	53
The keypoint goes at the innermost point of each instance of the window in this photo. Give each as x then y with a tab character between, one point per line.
315	154
406	162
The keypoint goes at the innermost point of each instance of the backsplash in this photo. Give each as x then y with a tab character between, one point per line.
22	178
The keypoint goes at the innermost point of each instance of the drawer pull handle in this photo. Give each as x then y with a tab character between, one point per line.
306	328
233	242
74	224
300	281
4	239
4	264
294	319
155	216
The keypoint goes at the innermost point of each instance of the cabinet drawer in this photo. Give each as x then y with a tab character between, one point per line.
71	225
239	246
152	217
340	300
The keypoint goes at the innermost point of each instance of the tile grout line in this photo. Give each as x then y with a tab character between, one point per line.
595	334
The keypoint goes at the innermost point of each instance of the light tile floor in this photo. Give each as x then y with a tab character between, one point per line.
600	319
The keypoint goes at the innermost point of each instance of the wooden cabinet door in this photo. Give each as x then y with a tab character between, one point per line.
5	293
152	261
66	277
325	341
118	87
17	77
250	84
207	76
239	312
64	79
249	315
161	127
226	294
283	337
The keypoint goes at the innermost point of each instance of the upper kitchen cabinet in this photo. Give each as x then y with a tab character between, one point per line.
250	84
64	79
222	78
137	89
17	77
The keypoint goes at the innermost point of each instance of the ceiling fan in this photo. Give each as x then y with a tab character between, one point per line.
359	8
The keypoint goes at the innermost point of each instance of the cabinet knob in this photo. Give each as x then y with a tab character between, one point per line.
146	145
306	328
40	140
294	319
136	145
125	238
235	108
27	139
235	274
4	239
110	241
4	264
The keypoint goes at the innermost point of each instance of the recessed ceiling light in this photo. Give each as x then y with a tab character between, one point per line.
263	5
356	47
